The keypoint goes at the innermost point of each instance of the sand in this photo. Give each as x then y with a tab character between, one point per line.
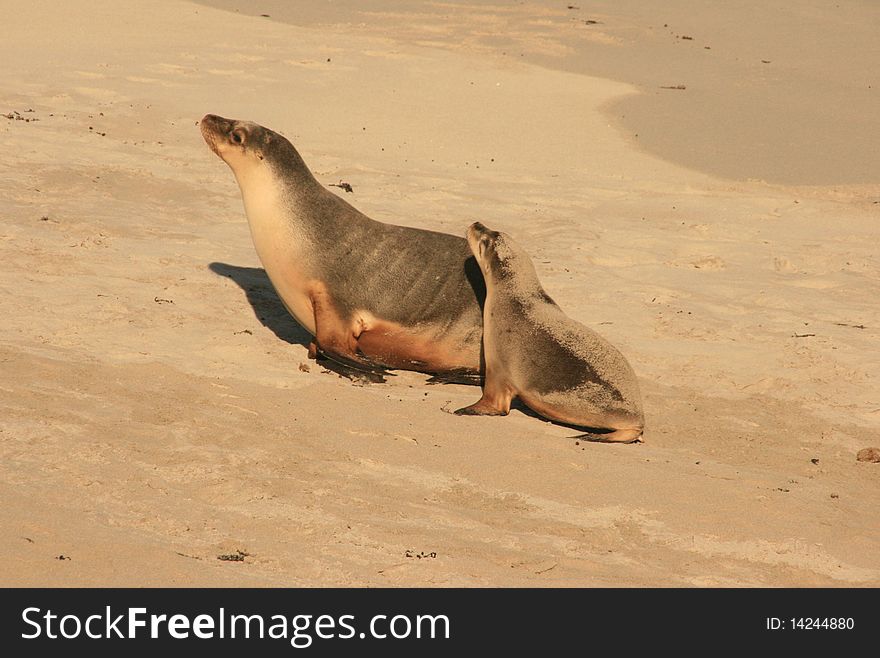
157	407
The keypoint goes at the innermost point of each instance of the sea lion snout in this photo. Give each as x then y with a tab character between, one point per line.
480	240
212	121
477	231
214	130
491	249
216	125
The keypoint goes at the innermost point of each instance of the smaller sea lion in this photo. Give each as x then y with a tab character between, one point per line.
558	367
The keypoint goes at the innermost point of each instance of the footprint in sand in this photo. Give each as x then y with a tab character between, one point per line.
784	265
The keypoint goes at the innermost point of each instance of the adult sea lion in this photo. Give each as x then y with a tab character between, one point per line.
371	294
556	366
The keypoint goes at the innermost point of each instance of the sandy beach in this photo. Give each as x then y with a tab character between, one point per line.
701	188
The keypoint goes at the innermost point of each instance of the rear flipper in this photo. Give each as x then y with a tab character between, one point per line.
617	436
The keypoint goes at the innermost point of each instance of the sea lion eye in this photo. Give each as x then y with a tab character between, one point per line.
485	243
237	136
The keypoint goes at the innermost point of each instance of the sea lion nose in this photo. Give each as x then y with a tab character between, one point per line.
215	122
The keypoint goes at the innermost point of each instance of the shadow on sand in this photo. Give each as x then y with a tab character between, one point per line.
272	314
265	302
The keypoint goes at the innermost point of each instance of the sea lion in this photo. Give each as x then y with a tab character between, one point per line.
555	365
371	294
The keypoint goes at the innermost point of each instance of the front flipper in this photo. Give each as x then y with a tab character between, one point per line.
480	408
495	401
335	337
356	373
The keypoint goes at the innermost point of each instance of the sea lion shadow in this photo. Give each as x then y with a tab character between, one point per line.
267	306
272	314
520	406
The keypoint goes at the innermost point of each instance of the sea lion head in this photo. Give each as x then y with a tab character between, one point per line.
495	252
236	142
248	147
